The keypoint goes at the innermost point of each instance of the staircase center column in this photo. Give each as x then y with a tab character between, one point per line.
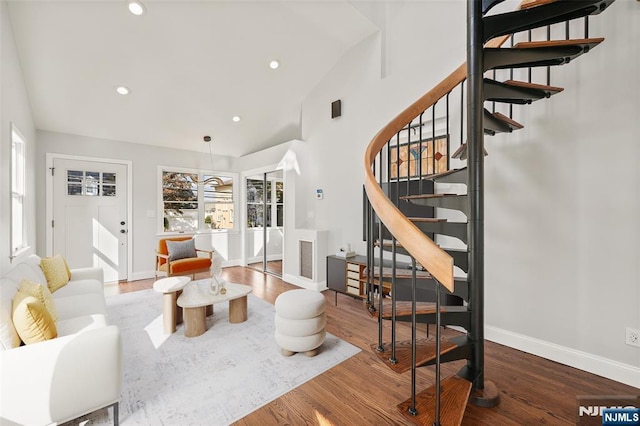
475	168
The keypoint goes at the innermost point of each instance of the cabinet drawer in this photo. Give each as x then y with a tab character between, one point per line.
353	267
354	275
353	283
353	290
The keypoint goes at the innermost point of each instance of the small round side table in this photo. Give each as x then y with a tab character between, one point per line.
171	288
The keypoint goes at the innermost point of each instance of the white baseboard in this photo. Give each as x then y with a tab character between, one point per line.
304	283
232	262
270	258
145	275
614	370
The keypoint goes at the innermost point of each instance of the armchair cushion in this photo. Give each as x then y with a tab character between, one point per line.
181	249
187	265
32	320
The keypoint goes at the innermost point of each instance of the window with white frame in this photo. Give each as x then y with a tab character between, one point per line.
195	201
18	164
255	202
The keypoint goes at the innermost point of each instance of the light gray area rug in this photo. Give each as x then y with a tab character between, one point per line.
213	379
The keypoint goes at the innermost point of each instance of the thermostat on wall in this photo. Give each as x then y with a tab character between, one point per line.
319	194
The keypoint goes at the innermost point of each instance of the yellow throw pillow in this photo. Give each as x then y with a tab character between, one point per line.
55	270
32	320
66	266
42	294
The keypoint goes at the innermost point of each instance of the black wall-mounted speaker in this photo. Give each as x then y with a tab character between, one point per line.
336	108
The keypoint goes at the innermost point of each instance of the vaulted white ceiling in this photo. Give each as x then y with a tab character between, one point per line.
190	65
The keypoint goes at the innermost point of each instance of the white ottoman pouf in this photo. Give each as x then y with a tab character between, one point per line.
300	321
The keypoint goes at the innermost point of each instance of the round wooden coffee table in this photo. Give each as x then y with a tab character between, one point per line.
196	298
171	288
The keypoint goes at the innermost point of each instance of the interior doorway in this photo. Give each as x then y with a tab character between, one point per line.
265	222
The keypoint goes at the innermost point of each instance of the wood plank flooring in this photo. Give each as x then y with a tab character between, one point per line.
363	391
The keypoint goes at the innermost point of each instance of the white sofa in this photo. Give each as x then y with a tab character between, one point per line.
76	373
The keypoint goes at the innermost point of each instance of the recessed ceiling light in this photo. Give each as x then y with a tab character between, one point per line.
136	7
274	64
236	118
123	90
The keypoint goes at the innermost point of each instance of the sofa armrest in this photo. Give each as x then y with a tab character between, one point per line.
62	378
90	273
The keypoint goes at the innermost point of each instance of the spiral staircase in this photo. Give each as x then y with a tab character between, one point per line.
409	159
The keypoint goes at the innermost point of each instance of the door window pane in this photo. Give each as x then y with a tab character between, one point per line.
109	178
109	190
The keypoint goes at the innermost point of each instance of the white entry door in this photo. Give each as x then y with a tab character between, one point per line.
90	215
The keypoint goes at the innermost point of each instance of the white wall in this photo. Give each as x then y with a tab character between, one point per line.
145	159
14	108
562	207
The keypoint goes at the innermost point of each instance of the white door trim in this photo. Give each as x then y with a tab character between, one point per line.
50	157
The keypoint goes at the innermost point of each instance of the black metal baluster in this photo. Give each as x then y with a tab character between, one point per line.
408	191
586	27
433	138
420	138
412	408
369	248
380	234
393	358
438	337
529	72
370	256
493	107
396	199
462	112
447	135
511	78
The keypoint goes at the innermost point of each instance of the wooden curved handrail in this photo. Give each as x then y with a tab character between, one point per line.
436	261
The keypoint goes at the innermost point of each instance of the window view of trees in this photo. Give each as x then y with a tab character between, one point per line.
193	201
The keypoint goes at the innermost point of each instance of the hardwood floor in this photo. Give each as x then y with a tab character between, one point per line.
273	267
363	391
